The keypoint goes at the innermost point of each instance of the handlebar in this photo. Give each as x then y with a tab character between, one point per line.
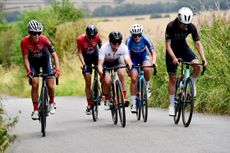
44	76
189	63
151	66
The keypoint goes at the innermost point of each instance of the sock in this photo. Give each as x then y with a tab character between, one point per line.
193	80
124	93
172	99
147	84
133	99
52	100
35	105
89	101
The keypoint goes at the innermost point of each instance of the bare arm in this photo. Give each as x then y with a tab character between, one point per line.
170	52
56	60
199	48
26	63
100	66
154	56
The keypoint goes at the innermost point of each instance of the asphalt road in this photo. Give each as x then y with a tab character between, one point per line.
71	131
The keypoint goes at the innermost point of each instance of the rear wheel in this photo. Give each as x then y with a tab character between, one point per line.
188	104
95	95
177	105
144	100
113	105
120	103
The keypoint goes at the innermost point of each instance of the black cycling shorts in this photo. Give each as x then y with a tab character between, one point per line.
185	53
89	60
44	62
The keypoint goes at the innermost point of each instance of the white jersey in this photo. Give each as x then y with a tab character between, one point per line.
107	54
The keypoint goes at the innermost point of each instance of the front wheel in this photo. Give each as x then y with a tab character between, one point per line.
120	103
144	100
188	103
113	106
177	104
95	97
43	110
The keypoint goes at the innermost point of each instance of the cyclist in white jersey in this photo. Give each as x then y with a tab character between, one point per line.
110	55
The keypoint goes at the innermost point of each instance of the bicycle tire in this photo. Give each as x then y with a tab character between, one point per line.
95	98
144	101
177	104
113	105
43	110
188	103
138	108
120	103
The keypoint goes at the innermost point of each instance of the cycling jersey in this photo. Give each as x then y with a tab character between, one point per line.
108	55
177	36
38	54
138	51
38	49
88	47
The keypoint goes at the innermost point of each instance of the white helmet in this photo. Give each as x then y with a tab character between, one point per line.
35	26
136	29
185	15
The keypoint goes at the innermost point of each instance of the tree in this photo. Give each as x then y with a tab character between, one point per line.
2	13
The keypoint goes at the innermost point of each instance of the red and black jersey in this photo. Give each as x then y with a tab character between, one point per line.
37	49
88	46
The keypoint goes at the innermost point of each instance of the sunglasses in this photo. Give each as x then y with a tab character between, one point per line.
137	35
116	42
35	33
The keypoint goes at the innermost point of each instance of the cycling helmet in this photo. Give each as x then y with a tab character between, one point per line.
136	29
35	26
185	15
115	37
91	30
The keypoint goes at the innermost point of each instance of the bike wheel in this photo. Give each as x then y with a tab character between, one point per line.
138	107
144	100
177	104
120	103
188	103
43	110
113	105
95	98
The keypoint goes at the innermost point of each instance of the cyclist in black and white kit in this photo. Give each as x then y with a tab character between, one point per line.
177	47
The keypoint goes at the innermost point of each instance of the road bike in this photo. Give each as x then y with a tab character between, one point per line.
184	95
44	105
141	97
96	94
117	103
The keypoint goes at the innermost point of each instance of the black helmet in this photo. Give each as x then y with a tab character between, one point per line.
115	37
91	30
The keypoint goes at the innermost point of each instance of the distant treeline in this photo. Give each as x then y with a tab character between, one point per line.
142	9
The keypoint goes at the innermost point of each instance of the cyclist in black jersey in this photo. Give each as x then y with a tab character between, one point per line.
177	47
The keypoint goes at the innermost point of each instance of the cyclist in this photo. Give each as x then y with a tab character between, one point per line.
109	56
37	51
87	49
139	46
177	47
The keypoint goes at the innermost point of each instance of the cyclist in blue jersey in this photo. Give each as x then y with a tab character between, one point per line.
140	47
177	47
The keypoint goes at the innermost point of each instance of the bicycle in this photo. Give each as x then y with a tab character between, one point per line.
117	105
96	94
184	95
43	106
142	99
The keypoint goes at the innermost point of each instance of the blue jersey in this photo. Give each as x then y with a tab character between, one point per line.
138	51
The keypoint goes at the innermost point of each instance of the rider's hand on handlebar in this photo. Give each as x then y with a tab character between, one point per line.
57	74
29	74
176	61
205	63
